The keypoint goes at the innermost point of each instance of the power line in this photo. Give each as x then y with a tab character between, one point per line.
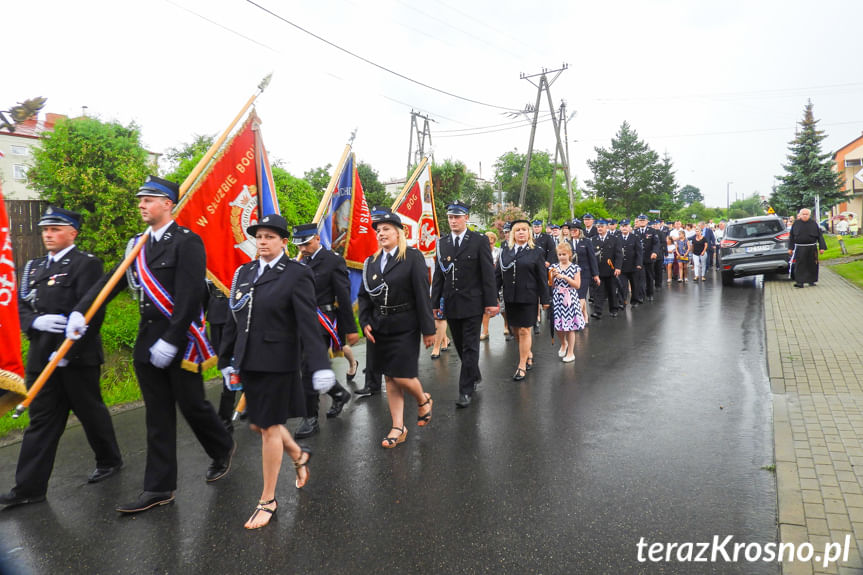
375	64
222	26
523	125
545	114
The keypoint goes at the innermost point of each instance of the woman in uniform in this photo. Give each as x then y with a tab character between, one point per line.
395	313
522	273
272	305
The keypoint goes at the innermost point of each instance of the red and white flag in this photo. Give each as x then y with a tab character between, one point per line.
416	208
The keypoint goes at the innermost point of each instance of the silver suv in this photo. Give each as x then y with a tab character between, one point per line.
753	246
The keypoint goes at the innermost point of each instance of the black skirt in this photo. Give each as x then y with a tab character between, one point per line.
397	355
273	398
521	314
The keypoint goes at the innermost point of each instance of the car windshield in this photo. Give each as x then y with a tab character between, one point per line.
745	230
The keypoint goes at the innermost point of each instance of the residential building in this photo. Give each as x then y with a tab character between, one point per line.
849	163
16	155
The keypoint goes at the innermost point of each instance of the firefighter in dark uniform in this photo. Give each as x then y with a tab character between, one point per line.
545	243
659	264
609	256
50	288
590	230
333	298
631	266
165	349
464	278
396	314
651	250
273	330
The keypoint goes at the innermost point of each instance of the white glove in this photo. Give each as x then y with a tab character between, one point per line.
162	353
226	375
76	326
323	380
50	322
62	363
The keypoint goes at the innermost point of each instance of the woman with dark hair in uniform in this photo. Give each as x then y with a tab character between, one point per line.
522	273
395	313
272	305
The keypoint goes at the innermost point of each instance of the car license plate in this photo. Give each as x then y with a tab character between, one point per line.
762	248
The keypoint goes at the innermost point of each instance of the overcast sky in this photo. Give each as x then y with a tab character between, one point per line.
718	86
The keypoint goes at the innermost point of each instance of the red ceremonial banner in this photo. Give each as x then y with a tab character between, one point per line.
223	204
362	241
418	214
12	387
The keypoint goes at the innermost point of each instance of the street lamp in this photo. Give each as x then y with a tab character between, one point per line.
728	198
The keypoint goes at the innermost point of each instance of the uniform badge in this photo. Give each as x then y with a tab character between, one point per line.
449	258
51	282
239	294
374	277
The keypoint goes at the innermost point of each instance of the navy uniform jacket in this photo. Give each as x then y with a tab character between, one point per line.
407	289
527	280
332	285
468	287
584	256
546	243
591	233
178	261
283	316
650	242
633	255
607	249
56	292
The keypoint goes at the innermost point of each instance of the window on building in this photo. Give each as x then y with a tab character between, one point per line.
19	150
19	172
858	162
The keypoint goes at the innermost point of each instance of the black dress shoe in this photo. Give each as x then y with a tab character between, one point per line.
12	498
798	285
339	402
366	392
536	330
220	466
463	400
103	473
613	314
147	500
812	284
596	315
307	428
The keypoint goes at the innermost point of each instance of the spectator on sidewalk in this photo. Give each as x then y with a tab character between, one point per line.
682	249
670	252
699	254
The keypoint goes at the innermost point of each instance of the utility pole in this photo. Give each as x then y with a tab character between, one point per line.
728	199
544	85
421	135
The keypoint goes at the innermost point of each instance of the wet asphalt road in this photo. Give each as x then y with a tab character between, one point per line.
658	430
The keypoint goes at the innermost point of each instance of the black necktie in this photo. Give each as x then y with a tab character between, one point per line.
457	241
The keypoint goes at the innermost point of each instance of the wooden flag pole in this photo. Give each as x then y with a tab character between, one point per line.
127	261
410	182
334	179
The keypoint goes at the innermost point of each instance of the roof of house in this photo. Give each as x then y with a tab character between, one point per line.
34	127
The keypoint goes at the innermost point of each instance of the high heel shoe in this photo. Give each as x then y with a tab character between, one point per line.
423	420
299	463
350	376
260	508
390	442
529	365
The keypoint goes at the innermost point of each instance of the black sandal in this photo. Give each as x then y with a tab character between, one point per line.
529	365
299	464
390	442
260	508
350	376
519	374
423	420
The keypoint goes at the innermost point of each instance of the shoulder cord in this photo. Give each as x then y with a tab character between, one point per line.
447	269
383	288
236	306
24	292
134	285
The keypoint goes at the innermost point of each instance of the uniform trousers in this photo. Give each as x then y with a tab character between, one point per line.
607	289
465	335
646	281
629	286
228	397
373	375
69	388
164	390
658	272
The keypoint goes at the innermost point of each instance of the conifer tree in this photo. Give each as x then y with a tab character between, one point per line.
809	172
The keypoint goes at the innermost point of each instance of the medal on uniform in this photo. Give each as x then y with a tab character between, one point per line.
449	258
374	277
51	282
239	294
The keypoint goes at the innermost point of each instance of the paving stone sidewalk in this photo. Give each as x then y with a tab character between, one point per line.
815	363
